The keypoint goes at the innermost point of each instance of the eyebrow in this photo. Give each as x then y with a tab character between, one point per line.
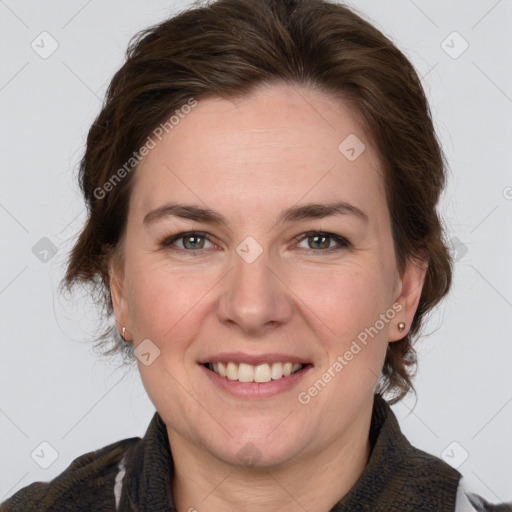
293	214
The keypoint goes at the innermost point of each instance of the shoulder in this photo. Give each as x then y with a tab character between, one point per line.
430	469
91	477
470	502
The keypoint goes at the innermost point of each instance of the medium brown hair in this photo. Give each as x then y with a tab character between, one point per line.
226	49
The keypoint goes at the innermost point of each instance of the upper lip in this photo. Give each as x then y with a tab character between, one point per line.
254	359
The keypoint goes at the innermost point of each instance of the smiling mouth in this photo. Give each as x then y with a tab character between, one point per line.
264	372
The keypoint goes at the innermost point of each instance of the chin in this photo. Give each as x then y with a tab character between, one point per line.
255	447
254	454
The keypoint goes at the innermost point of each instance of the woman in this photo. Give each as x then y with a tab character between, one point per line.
262	185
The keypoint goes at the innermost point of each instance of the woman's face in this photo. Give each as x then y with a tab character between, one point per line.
269	285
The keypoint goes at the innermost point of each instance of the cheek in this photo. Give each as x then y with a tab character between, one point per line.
353	311
159	297
343	307
346	298
342	298
169	301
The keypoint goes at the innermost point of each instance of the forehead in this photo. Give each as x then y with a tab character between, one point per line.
278	146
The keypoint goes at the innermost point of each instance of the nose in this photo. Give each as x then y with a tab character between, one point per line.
255	297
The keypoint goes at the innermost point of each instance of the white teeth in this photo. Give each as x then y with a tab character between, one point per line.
245	372
264	372
232	371
277	370
295	367
222	370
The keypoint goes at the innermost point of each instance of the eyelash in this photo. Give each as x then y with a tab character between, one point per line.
343	242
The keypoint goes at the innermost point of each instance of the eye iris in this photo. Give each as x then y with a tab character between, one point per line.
323	245
192	237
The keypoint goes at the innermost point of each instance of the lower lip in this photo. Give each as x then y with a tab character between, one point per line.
256	389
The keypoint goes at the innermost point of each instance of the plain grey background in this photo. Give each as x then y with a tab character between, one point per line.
56	391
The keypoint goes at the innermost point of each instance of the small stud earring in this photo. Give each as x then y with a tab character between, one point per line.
401	326
123	333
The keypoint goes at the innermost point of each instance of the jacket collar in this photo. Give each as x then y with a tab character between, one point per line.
399	476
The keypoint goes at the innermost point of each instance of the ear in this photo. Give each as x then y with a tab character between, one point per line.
410	286
118	294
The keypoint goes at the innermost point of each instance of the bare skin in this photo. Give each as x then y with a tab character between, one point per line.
248	159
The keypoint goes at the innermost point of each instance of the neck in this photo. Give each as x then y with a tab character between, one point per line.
290	487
